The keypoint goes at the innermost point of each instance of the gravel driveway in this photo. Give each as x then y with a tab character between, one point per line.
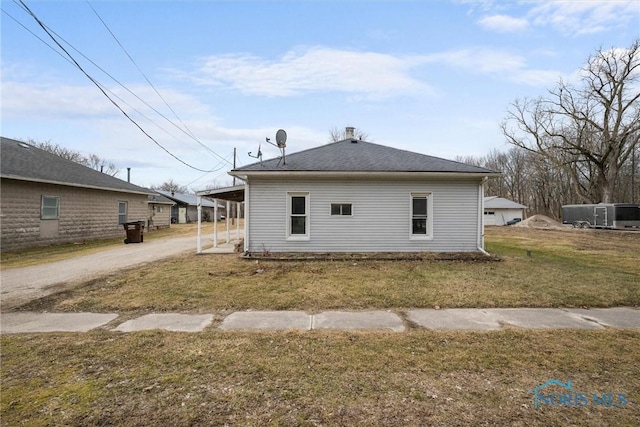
20	285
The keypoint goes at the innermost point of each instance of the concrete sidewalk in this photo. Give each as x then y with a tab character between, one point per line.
465	319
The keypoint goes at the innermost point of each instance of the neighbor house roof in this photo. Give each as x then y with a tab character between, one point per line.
22	161
494	202
186	199
160	199
352	155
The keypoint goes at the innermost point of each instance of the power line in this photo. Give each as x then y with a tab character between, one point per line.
186	129
69	58
138	68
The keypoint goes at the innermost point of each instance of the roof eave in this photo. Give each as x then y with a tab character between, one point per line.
69	184
244	174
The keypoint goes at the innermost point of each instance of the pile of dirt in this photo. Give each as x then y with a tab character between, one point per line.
540	221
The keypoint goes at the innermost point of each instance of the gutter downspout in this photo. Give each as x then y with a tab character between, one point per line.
481	216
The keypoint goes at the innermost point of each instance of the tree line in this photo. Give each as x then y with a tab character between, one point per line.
578	143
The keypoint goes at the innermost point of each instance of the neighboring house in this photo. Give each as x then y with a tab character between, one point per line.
498	210
355	196
46	199
186	208
159	211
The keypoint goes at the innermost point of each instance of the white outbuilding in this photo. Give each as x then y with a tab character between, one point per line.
499	211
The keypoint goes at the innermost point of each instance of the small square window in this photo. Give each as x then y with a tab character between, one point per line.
341	209
50	208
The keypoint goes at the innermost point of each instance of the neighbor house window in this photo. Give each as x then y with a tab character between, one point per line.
50	207
298	215
420	215
122	212
341	209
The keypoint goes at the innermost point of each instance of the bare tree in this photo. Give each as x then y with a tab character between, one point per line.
92	161
590	129
98	163
336	135
171	186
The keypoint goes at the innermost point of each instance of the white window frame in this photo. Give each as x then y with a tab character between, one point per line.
341	204
307	223
429	222
126	212
45	210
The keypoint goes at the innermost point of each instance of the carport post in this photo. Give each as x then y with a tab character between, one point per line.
215	223
227	221
238	220
199	244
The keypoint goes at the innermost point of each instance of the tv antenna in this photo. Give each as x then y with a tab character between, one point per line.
259	155
281	144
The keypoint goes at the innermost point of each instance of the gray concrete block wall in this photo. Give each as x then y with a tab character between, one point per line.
85	214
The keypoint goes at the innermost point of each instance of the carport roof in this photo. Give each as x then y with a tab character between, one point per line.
233	194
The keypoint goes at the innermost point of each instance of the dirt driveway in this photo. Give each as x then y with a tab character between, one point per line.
21	285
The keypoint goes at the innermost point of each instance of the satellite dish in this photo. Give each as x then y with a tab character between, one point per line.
281	138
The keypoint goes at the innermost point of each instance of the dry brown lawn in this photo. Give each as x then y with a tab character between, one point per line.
565	269
320	378
316	378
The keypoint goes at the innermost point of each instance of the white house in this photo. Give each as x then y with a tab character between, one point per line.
498	210
356	196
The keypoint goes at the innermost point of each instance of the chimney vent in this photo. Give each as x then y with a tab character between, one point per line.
349	132
128	174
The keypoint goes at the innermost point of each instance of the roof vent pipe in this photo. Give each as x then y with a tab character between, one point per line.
128	174
349	132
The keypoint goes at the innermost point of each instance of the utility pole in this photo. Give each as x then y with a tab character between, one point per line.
234	164
233	216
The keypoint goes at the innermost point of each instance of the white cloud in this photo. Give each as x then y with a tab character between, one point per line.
500	64
504	23
51	100
566	17
316	69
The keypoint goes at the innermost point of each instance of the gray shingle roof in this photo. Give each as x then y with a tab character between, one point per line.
360	156
25	162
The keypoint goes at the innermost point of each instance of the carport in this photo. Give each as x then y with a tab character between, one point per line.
232	196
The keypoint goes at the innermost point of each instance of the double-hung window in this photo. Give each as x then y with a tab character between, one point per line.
298	216
122	212
421	221
50	207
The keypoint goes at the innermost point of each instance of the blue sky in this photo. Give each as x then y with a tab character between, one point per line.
434	77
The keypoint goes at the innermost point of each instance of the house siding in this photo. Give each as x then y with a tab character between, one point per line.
380	221
159	219
84	214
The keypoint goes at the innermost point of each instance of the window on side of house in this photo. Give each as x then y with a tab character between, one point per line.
50	207
122	212
298	216
421	216
343	209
